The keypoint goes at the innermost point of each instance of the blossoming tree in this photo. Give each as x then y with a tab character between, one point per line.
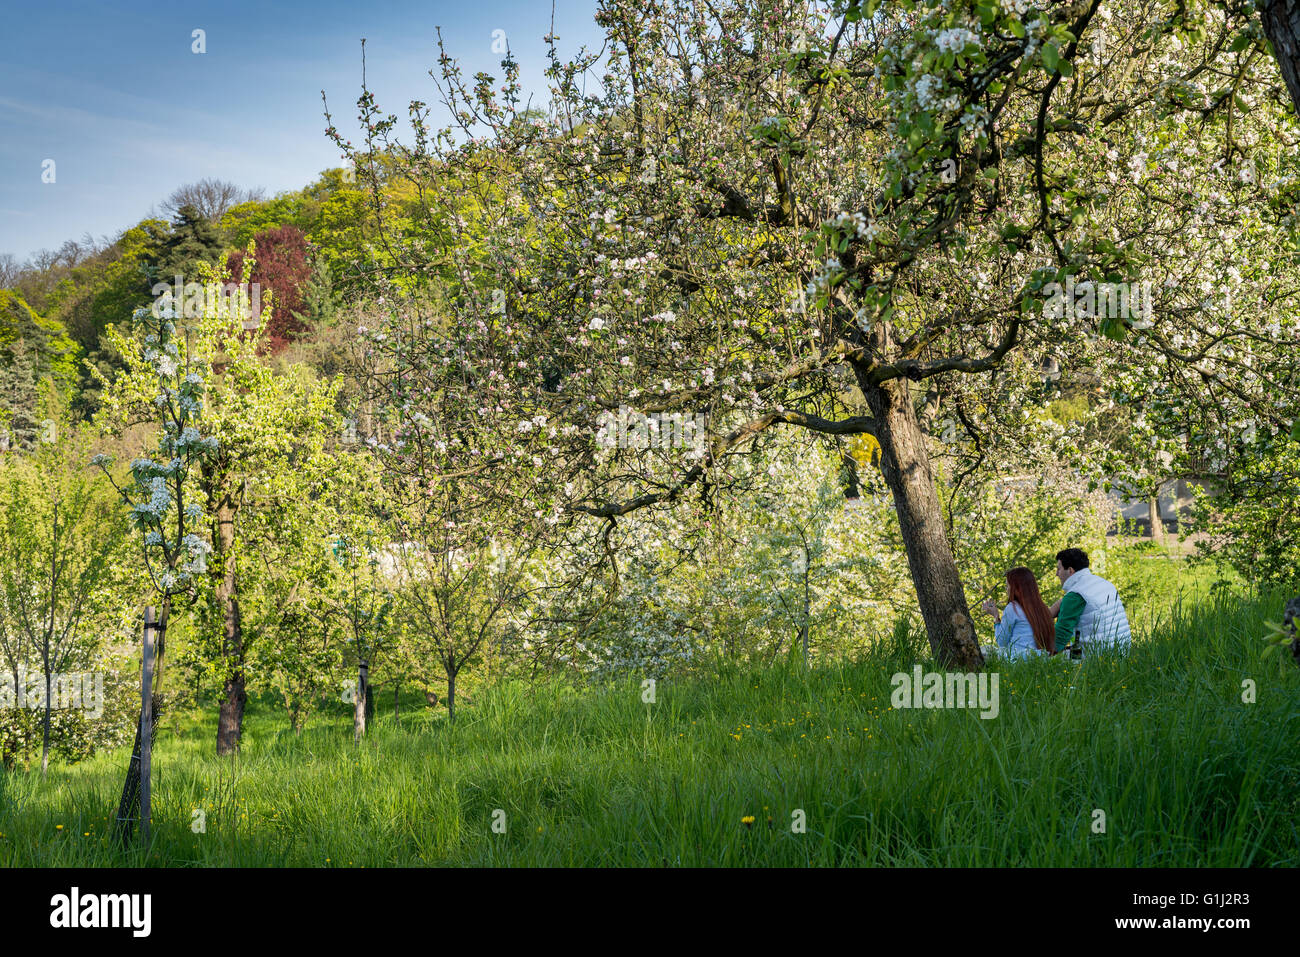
747	210
164	505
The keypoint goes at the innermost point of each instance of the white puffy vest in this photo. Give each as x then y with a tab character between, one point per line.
1104	620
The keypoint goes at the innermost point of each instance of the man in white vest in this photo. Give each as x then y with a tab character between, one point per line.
1091	609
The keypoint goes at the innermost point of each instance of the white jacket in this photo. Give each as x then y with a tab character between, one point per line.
1104	620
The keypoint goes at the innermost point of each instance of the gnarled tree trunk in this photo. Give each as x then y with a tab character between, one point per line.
1281	20
905	462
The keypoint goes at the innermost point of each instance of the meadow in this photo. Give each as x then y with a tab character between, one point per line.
722	771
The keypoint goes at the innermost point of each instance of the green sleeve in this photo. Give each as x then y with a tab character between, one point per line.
1068	617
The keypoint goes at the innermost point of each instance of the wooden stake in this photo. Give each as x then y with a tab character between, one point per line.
146	721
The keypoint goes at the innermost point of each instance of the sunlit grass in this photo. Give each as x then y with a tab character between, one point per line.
716	771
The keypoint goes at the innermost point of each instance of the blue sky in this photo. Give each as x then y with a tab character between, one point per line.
113	93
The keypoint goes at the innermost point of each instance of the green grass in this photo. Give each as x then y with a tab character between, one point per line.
1185	772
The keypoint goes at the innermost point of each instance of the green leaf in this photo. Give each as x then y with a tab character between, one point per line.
1017	29
1051	57
1113	329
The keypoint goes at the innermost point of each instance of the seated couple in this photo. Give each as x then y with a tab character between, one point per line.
1089	615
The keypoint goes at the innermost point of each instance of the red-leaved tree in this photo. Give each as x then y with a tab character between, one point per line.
281	268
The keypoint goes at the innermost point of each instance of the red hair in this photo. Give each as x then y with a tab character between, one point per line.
1022	588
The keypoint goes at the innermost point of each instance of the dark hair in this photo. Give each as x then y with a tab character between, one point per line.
1022	588
1075	558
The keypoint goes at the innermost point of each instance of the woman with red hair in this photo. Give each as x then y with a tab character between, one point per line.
1026	626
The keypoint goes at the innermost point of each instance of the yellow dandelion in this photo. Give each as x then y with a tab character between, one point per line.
747	820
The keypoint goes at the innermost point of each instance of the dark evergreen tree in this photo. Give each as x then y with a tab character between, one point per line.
193	240
320	306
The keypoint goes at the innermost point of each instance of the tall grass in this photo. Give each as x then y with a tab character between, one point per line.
1160	742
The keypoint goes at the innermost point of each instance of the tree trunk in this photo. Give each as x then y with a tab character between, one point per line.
359	702
451	696
45	730
49	634
852	484
807	609
905	462
9	746
129	806
397	703
1153	514
1281	20
230	718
